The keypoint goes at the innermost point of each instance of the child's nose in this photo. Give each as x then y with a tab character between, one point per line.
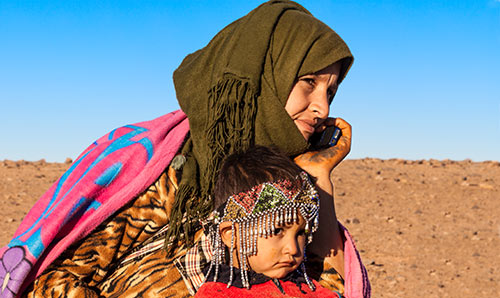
292	247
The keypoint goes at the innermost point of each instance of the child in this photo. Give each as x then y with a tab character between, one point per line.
266	211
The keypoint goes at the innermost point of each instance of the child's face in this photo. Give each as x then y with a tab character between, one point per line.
281	253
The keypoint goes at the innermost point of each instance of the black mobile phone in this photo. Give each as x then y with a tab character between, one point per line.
328	138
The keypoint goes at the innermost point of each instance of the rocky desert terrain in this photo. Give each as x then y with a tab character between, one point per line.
428	228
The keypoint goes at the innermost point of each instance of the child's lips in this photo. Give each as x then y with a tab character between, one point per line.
287	264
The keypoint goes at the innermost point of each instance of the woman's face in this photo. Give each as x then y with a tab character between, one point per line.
309	101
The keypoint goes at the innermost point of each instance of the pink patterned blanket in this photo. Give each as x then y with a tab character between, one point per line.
107	175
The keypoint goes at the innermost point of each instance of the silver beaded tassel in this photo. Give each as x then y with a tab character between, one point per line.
218	254
243	256
231	256
217	248
306	277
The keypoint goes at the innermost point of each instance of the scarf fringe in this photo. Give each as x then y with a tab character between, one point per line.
231	119
232	106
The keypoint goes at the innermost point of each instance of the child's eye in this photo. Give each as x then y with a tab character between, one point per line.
277	231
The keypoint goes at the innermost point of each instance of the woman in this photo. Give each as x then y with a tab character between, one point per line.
267	79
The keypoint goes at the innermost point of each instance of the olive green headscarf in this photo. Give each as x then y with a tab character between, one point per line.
234	91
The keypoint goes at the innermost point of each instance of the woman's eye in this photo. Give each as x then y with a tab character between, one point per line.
309	81
331	94
302	232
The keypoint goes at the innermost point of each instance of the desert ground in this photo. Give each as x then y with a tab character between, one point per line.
428	228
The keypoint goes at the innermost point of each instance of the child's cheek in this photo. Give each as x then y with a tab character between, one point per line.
274	253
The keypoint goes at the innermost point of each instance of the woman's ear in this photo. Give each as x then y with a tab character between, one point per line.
226	232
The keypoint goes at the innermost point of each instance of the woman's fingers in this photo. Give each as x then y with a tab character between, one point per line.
345	139
324	161
344	126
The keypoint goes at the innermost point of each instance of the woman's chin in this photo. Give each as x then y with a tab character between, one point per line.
305	129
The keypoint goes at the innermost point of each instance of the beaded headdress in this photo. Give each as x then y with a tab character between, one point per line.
258	212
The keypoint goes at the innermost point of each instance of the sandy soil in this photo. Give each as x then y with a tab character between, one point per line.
424	228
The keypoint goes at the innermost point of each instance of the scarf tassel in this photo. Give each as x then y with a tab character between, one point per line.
231	120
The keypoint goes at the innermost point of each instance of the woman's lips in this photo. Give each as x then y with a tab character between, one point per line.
306	127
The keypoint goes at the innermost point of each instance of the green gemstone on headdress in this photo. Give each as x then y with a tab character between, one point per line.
269	198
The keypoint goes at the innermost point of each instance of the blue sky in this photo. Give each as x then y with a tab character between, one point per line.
425	82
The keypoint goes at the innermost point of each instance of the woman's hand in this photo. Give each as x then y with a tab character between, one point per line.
327	242
321	163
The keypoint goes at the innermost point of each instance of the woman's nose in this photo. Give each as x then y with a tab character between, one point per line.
320	105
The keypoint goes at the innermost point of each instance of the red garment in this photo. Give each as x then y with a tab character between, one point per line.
268	290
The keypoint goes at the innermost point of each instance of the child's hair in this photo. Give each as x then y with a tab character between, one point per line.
243	170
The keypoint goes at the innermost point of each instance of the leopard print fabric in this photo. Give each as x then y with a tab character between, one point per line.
88	268
324	273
